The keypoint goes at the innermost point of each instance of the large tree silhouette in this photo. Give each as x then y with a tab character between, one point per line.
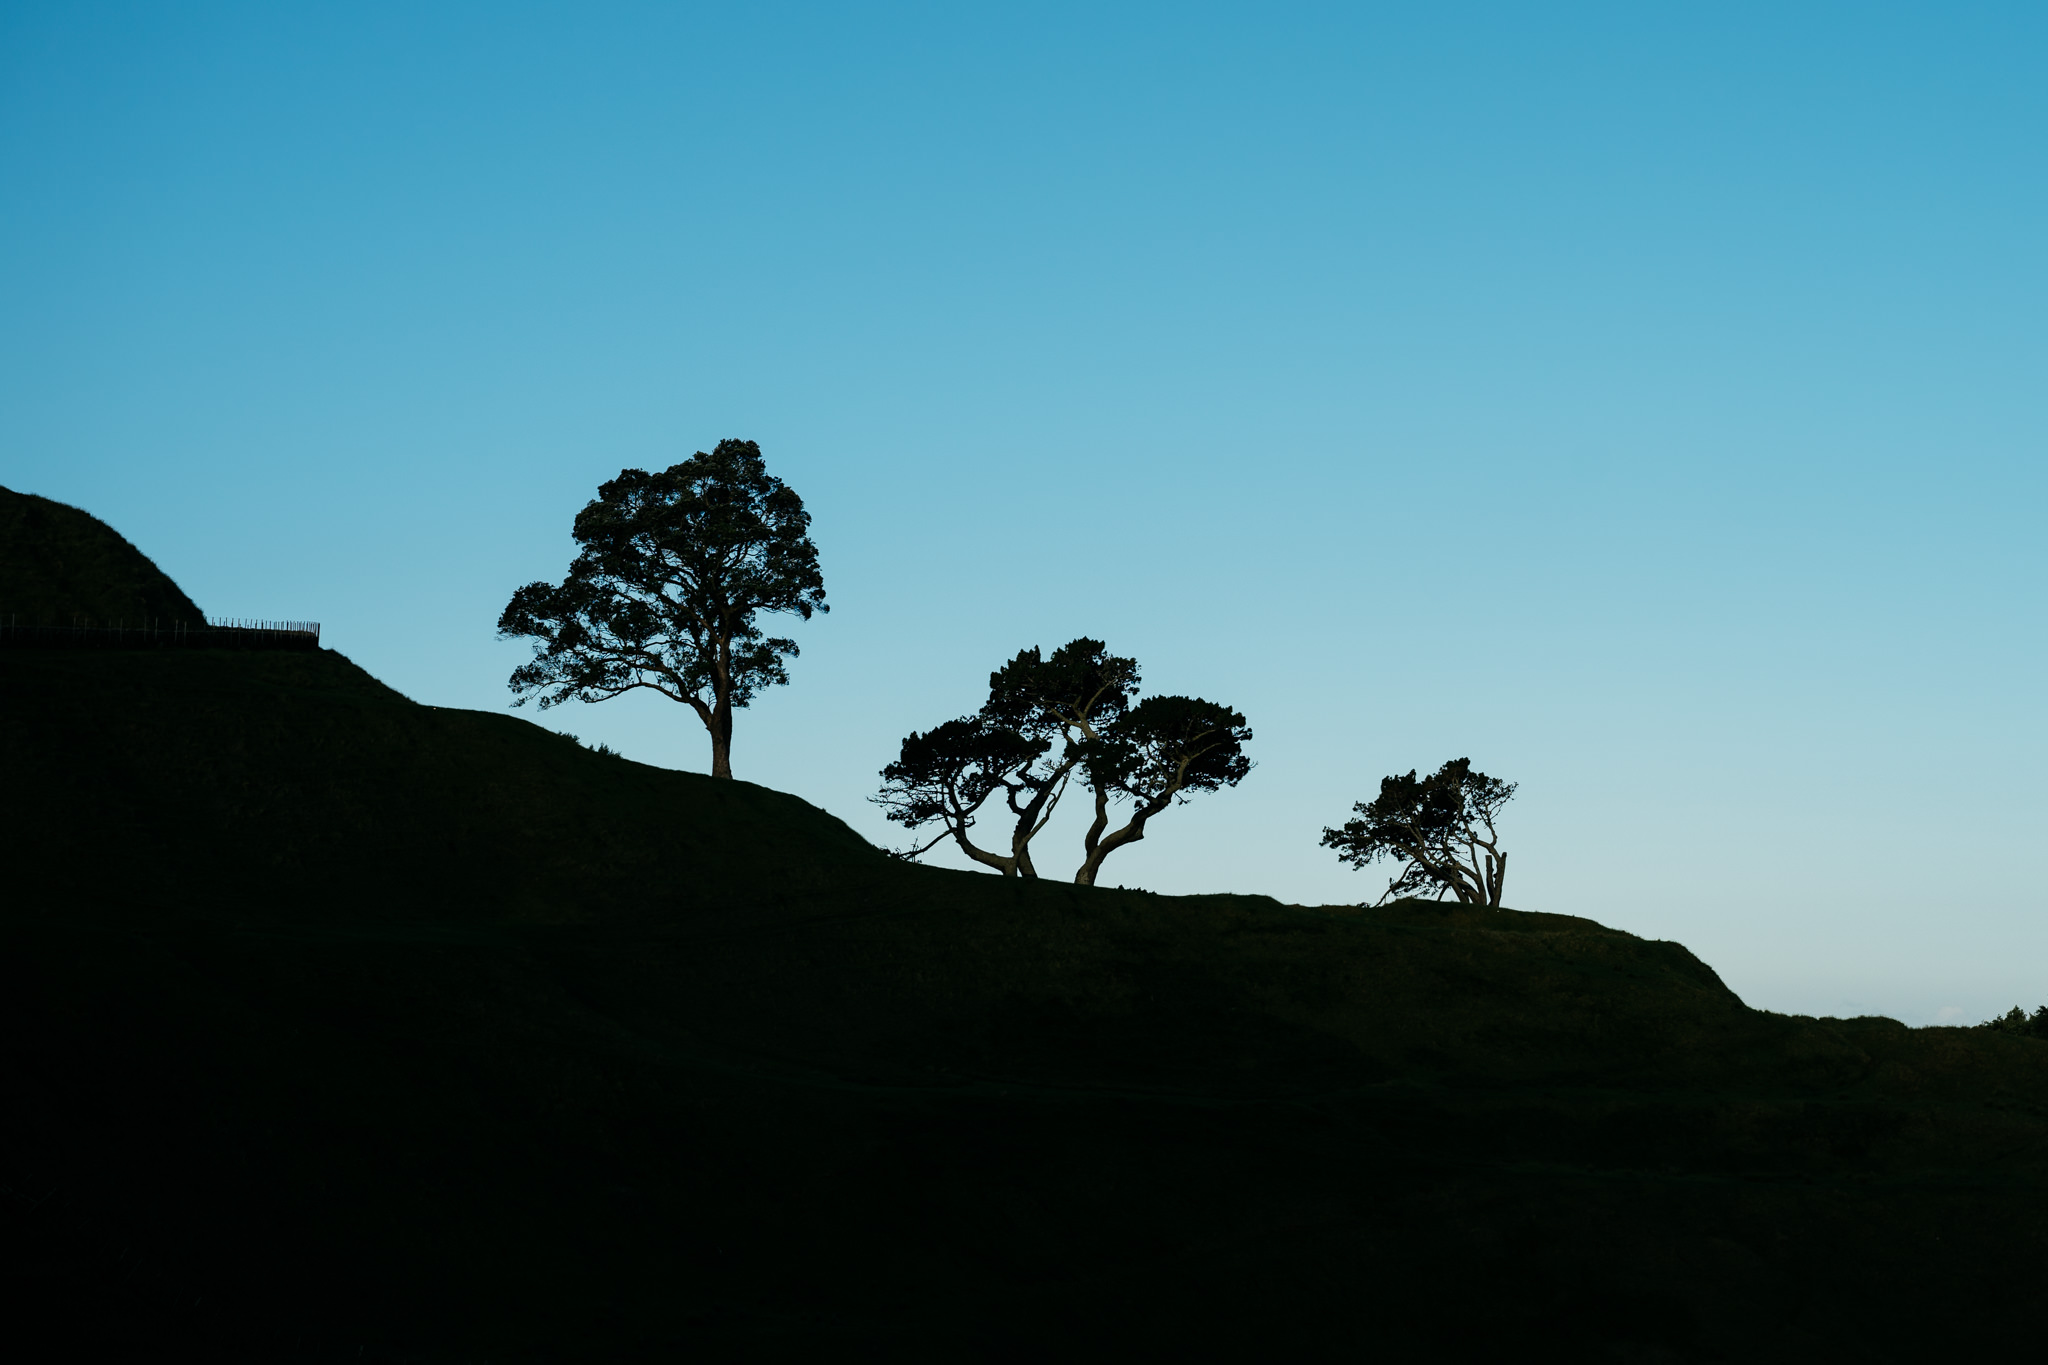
1049	719
674	570
1440	828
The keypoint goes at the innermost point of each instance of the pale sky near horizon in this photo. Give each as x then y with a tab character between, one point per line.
1644	401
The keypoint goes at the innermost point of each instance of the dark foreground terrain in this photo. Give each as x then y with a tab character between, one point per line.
340	1027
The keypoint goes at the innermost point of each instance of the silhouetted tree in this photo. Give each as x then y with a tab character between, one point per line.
1440	827
1161	751
946	775
1048	719
1026	741
673	570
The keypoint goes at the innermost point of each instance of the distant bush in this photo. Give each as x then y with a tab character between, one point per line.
2018	1021
598	748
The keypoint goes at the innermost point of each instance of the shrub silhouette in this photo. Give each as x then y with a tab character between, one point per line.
2020	1022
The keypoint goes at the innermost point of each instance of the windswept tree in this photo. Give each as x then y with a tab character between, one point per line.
1441	830
1162	751
1027	741
946	775
674	570
1048	720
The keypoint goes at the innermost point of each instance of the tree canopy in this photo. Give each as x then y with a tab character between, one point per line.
1440	828
673	571
2018	1021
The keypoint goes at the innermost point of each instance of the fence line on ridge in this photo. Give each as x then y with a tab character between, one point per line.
156	633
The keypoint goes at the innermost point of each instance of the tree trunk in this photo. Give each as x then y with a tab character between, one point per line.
1006	866
1092	853
1129	834
721	739
1093	865
1031	819
1098	848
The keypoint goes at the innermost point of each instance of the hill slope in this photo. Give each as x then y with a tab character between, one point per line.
342	1026
58	563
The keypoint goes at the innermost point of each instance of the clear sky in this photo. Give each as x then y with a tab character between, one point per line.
1645	401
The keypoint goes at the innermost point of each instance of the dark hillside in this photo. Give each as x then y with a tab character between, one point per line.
295	786
58	563
342	1027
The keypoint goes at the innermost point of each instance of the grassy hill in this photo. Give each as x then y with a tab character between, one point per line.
58	564
338	1026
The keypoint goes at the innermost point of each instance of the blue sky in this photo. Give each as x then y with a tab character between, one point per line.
1644	401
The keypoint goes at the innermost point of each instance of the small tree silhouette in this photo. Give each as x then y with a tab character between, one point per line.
1441	828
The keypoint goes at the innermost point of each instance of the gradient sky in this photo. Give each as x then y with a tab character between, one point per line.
1646	401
